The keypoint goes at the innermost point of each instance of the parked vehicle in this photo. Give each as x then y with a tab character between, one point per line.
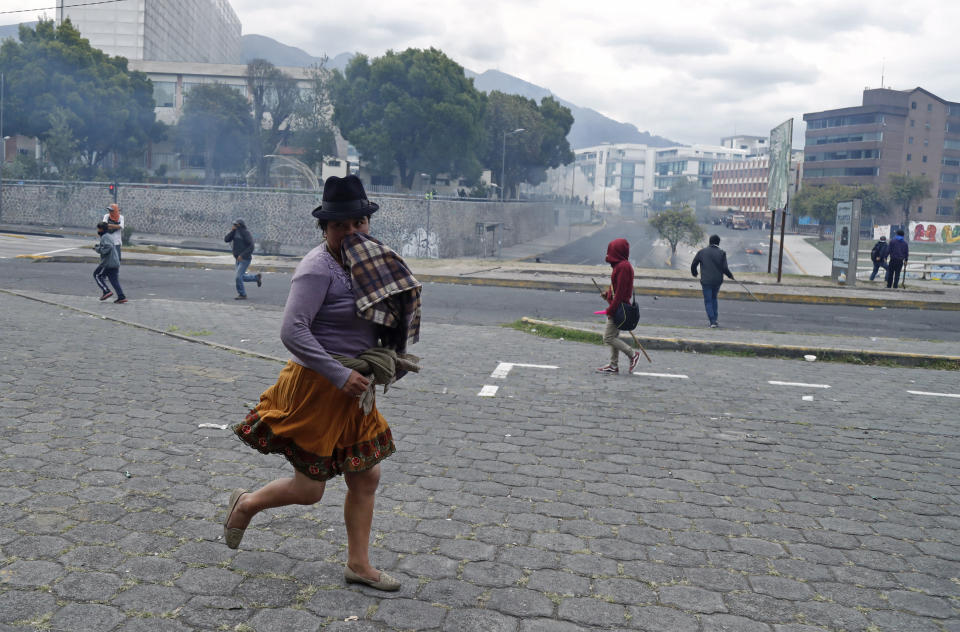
739	222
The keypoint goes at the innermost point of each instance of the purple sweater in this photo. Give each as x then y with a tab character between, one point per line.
320	317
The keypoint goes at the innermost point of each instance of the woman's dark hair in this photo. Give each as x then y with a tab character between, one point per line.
322	223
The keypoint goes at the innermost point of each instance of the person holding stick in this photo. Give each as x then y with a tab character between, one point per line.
619	291
712	262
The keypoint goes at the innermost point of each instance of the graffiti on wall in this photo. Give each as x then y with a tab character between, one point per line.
935	232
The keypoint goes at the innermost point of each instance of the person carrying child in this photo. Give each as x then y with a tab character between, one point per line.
109	267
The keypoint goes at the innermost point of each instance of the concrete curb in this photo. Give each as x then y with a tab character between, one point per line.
569	286
864	356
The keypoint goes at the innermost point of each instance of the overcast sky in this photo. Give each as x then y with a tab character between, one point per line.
692	71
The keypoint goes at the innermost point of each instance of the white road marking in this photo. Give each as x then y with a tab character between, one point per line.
37	254
488	391
503	368
676	375
935	394
801	384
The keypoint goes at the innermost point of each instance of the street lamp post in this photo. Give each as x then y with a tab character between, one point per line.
503	159
429	196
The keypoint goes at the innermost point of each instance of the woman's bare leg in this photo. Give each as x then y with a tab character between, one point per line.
358	518
299	490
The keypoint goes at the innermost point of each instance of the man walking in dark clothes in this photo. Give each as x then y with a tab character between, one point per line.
899	253
713	265
243	253
878	256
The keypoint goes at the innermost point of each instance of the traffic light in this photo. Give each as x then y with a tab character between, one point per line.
113	190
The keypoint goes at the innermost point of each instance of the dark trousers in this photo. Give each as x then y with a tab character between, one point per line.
710	293
893	272
101	275
876	266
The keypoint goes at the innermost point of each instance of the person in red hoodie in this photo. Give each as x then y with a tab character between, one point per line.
620	291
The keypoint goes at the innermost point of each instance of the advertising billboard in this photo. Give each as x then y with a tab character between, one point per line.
781	142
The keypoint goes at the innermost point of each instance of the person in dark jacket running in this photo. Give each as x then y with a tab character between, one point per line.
620	291
712	262
899	253
242	242
878	256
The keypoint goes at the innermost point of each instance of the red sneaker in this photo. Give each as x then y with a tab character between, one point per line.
633	362
106	295
608	369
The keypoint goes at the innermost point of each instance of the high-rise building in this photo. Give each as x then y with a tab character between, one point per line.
911	132
198	31
755	145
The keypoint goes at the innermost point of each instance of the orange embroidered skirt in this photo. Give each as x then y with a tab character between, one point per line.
319	429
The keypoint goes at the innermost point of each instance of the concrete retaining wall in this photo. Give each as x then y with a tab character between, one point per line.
411	226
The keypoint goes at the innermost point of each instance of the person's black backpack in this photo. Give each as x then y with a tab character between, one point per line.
875	252
626	316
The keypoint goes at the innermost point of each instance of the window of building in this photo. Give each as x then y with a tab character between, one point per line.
164	93
919	210
951	144
929	107
924	159
842	121
909	157
912	122
926	142
910	140
913	105
951	162
945	210
846	138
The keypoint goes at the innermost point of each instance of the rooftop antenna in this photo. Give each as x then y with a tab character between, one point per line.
883	63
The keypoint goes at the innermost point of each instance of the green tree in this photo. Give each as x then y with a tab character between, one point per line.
525	156
216	123
59	146
312	128
676	226
905	190
682	192
873	201
275	99
820	203
414	111
109	108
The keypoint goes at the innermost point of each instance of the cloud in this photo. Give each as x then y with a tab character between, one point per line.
669	44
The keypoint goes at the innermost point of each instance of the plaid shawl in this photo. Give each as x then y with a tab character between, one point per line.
387	292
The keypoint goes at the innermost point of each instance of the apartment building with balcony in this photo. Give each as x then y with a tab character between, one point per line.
615	177
912	132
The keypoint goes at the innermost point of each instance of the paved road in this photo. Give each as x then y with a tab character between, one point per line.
568	501
647	252
477	305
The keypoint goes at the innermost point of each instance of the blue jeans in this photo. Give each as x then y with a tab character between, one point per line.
242	275
876	267
710	301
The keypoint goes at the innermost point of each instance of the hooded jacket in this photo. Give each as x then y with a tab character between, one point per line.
621	278
242	241
899	250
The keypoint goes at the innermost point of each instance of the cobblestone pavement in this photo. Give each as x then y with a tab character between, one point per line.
567	501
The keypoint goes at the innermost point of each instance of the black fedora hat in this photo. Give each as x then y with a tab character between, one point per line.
344	198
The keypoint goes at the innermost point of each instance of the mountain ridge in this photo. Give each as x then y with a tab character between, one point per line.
590	127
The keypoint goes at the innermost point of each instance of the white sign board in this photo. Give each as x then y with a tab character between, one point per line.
846	239
841	235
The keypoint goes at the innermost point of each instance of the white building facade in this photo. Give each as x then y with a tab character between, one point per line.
206	31
694	163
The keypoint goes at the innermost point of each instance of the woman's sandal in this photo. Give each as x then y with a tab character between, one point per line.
385	582
232	535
